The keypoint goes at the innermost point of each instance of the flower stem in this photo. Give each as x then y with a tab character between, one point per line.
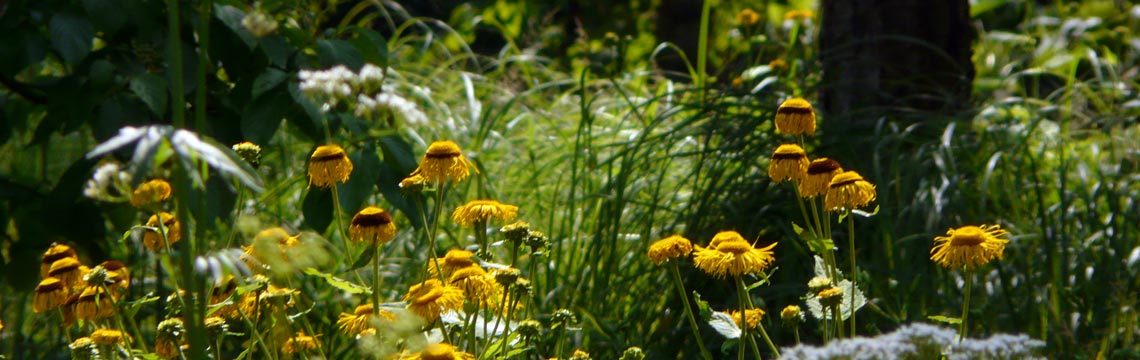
966	307
854	274
688	310
439	195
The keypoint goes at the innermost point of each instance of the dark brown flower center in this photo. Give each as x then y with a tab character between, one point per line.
822	166
372	220
339	155
792	109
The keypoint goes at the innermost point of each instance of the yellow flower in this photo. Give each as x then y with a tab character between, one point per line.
753	316
484	210
414	183
580	354
94	303
830	296
372	225
150	192
799	15
443	161
789	162
969	246
300	343
109	337
270	246
729	254
848	190
329	165
357	322
430	298
795	117
747	17
68	270
439	352
153	240
83	349
117	274
777	65
669	248
791	315
50	294
818	177
478	286
455	259
55	252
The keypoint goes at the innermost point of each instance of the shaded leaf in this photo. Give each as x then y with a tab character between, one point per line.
331	53
317	208
72	36
338	283
262	117
152	90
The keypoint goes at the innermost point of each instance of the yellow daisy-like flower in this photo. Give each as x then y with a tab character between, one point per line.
747	17
153	240
789	162
439	352
669	248
580	354
818	176
109	337
478	286
68	270
443	161
484	210
249	152
455	259
300	343
329	165
753	316
849	191
94	303
795	117
414	183
372	225
791	315
151	192
830	296
357	322
50	294
430	298
53	253
729	254
969	246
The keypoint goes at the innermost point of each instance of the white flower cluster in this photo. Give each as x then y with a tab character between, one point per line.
366	94
110	183
921	341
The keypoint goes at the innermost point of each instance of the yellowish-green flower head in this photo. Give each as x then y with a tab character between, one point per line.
431	298
747	17
830	296
969	246
439	351
150	192
329	165
153	240
752	315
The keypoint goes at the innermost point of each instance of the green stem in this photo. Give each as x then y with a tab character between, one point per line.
339	222
439	195
803	211
375	278
966	307
481	237
203	65
854	270
174	37
702	48
673	269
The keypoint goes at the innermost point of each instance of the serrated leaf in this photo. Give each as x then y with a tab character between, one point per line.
945	319
267	81
339	283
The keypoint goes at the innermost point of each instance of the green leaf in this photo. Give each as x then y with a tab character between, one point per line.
945	319
107	15
799	230
262	117
317	208
152	90
362	184
267	81
820	245
364	259
276	49
72	36
338	283
130	308
231	17
338	52
372	46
